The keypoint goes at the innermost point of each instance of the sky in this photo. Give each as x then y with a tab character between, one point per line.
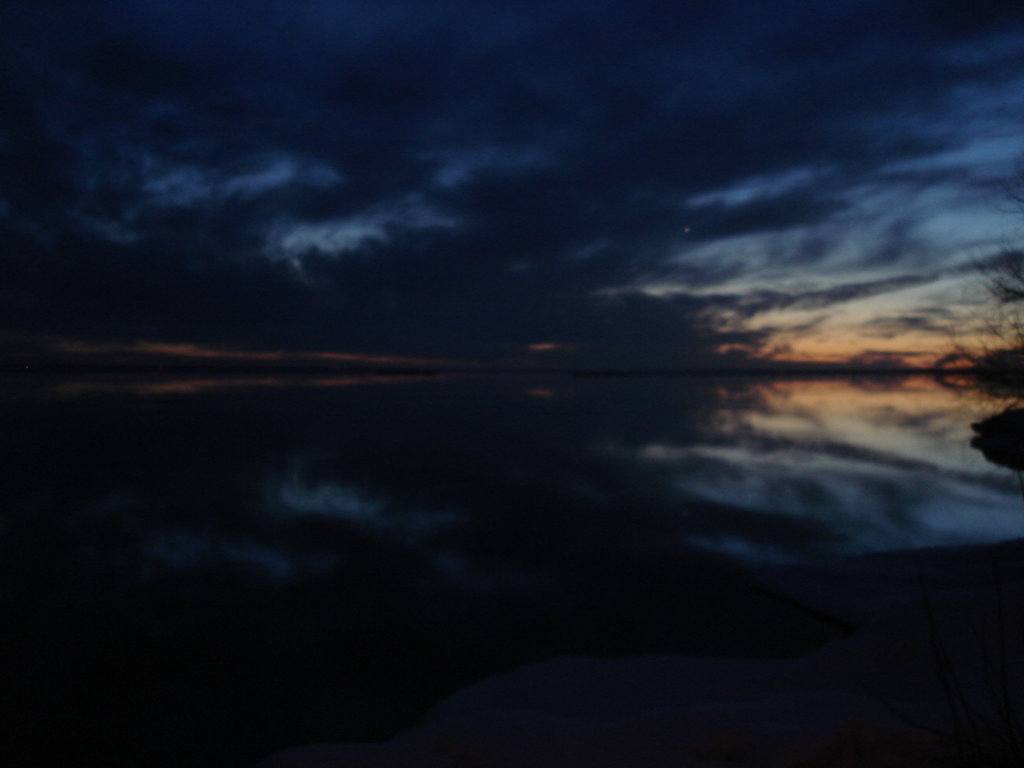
559	183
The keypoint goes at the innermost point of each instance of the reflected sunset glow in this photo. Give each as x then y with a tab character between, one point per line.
884	461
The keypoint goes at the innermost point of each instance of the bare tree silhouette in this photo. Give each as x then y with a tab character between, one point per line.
995	338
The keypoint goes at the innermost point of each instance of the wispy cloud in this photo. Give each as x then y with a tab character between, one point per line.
337	238
458	167
123	198
166	184
747	191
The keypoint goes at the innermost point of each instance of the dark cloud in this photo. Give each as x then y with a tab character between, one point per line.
381	174
938	320
133	66
764	215
957	16
757	302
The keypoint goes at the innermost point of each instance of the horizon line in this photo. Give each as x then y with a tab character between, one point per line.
788	368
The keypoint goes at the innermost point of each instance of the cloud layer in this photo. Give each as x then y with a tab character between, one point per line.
466	181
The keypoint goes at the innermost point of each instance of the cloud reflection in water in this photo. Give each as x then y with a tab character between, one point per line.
882	465
337	546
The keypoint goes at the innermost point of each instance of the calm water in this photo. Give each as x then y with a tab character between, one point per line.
198	571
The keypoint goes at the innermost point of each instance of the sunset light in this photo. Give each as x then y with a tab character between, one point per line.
604	384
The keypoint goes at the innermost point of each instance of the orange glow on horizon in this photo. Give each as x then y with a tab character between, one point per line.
921	325
190	386
548	346
784	347
184	351
848	349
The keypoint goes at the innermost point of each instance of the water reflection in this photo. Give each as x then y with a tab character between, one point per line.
155	384
258	562
871	464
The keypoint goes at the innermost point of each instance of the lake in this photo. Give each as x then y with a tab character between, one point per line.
198	570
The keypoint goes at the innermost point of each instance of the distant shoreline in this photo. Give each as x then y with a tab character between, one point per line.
232	369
